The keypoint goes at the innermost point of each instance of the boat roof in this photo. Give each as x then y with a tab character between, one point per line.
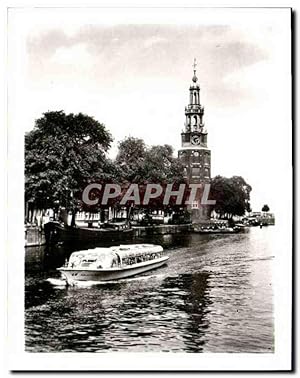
131	250
123	250
94	252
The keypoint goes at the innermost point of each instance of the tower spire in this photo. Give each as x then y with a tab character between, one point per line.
195	79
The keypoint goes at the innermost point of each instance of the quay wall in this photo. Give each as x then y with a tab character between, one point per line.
34	236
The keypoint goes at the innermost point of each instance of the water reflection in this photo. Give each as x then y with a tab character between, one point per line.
190	297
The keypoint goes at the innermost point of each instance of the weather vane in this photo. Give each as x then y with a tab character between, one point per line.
195	64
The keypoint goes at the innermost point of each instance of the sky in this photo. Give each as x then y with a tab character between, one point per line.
131	70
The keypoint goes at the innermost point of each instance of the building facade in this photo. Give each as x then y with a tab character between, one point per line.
194	153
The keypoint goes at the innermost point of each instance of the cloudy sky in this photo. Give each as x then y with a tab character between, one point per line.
131	70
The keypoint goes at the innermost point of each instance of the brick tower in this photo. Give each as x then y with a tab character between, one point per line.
194	153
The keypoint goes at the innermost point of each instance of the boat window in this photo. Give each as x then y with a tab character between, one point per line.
135	258
85	264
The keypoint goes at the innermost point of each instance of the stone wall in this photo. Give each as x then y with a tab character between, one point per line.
34	236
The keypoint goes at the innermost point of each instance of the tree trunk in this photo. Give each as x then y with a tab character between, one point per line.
129	211
73	224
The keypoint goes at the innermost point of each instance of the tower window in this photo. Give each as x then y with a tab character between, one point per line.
182	156
195	205
195	120
195	171
195	158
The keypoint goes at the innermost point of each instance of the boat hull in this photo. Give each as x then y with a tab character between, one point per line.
215	232
60	233
235	230
102	275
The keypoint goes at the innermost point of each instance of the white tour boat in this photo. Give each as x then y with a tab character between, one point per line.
106	264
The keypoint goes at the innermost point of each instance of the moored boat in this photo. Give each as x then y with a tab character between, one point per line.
217	230
107	264
57	232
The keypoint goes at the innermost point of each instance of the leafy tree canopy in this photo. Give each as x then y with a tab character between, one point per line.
63	153
232	196
130	158
142	164
265	208
161	166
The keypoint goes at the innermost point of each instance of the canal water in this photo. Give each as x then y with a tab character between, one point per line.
215	295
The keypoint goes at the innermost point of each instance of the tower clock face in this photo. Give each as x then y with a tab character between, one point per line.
195	140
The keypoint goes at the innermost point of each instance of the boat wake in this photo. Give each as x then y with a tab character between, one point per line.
56	282
262	258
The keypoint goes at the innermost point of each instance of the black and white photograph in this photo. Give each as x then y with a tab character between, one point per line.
150	188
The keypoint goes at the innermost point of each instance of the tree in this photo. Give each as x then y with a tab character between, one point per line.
232	196
130	158
161	166
265	208
63	153
141	164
